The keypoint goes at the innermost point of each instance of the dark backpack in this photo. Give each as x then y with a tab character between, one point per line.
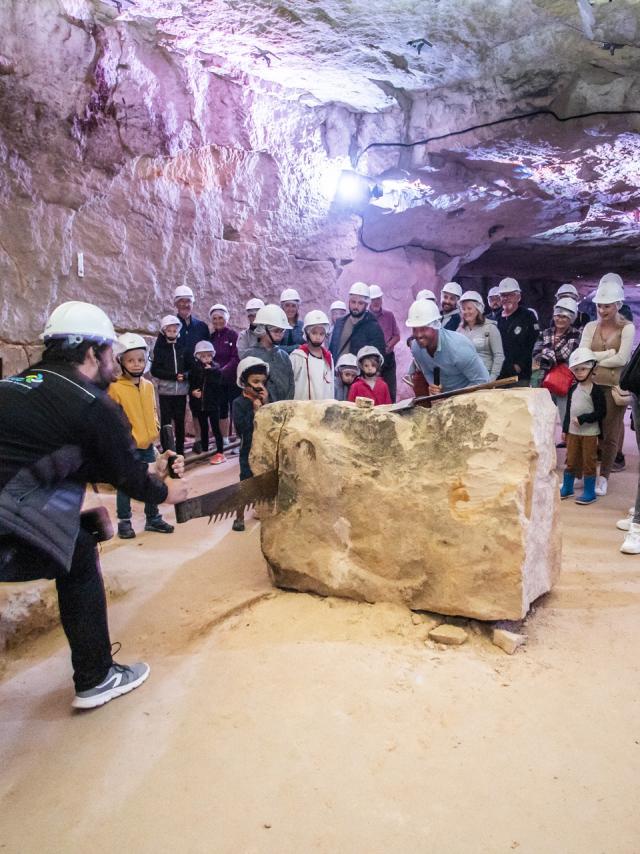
630	376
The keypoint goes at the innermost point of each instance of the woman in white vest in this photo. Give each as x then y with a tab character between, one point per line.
611	339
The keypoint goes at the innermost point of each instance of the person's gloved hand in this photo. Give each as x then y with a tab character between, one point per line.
162	464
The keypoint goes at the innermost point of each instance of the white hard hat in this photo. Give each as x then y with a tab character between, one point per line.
245	364
425	293
567	291
254	304
368	350
566	305
204	347
315	318
375	292
494	291
183	292
289	295
581	356
509	286
359	289
130	341
610	289
423	312
612	278
169	320
347	360
272	315
221	308
452	288
336	304
79	321
475	298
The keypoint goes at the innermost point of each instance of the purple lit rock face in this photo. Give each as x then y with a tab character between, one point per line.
200	142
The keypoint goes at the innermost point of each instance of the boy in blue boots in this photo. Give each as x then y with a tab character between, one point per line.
586	407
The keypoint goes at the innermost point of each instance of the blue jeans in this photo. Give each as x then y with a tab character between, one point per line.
123	502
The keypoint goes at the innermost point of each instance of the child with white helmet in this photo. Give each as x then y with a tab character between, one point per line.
271	323
168	368
205	380
136	396
312	363
370	384
347	371
553	349
586	408
252	376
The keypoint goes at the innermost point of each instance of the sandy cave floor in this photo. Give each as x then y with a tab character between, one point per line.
281	722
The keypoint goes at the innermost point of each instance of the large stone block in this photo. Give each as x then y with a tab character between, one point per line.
453	509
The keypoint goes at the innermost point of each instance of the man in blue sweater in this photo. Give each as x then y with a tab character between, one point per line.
435	347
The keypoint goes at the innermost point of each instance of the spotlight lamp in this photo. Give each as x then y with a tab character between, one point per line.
354	190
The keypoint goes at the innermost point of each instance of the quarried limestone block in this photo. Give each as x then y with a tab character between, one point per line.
452	509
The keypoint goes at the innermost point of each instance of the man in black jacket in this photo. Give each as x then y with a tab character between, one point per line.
192	331
519	331
59	430
358	328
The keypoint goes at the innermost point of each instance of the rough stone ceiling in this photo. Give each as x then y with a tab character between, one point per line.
358	52
436	66
197	141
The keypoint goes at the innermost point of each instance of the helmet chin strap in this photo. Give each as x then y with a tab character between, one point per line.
135	374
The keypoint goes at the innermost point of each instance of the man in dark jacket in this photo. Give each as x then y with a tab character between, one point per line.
358	328
519	330
59	430
191	331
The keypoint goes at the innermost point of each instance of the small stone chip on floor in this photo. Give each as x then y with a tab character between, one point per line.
446	633
507	641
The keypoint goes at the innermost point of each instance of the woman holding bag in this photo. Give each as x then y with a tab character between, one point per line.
552	352
611	339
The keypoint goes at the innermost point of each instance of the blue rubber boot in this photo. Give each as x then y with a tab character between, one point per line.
566	490
589	494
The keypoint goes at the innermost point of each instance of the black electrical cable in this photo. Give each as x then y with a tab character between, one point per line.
400	245
545	111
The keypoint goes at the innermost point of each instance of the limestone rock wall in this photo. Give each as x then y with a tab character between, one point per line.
452	510
201	142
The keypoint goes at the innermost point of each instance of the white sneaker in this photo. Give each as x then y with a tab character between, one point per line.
623	524
601	485
631	545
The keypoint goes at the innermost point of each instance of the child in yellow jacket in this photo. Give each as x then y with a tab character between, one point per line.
137	398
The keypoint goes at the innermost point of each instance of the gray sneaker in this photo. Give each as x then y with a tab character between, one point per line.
120	679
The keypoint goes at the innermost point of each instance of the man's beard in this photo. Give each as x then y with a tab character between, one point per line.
357	314
104	377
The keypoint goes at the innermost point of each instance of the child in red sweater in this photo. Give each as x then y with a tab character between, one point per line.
369	383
